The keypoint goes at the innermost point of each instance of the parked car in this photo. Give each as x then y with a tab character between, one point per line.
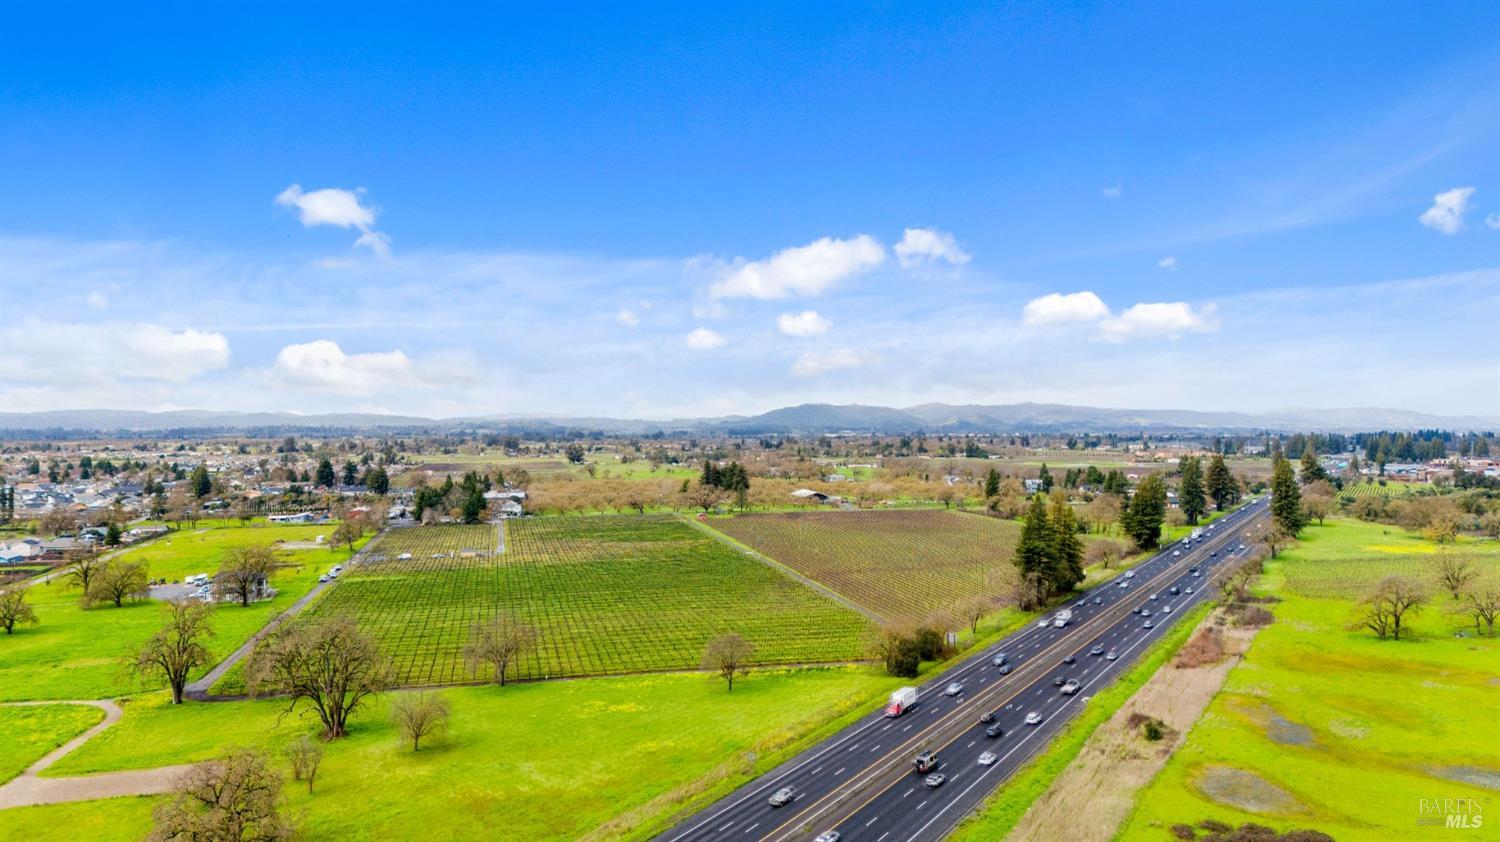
783	796
323	578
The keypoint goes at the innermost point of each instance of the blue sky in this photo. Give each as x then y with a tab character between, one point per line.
698	209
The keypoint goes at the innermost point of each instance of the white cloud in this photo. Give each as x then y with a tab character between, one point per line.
1168	319
703	339
927	246
96	299
1111	192
1493	221
628	317
802	270
55	353
376	242
1168	263
1447	212
340	208
812	363
1063	308
805	323
322	366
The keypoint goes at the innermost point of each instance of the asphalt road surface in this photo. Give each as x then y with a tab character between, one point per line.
861	781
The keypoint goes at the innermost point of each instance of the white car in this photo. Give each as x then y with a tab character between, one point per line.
1130	574
1166	610
404	557
1112	655
828	836
1033	718
953	689
1044	623
1177	552
987	759
1070	688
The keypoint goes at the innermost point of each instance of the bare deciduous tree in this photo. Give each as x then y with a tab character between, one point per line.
14	609
81	571
57	522
1454	573
1385	607
237	799
178	648
497	644
1481	602
328	663
244	572
348	532
118	581
705	497
973	610
729	655
306	755
419	714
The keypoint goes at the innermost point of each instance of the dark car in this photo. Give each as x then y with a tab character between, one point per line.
994	731
1005	669
987	717
1058	681
1097	650
1175	590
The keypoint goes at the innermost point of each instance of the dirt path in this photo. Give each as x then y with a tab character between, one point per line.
1087	802
27	789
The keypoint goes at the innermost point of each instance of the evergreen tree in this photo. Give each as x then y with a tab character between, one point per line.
1286	498
325	478
351	472
1034	550
1220	483
1312	469
991	483
1143	517
1046	477
202	485
1190	495
1067	548
377	480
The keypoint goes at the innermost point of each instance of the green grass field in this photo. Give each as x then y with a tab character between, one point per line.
607	594
28	732
902	565
1333	729
75	653
510	767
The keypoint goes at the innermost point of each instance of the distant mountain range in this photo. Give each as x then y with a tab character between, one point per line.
806	419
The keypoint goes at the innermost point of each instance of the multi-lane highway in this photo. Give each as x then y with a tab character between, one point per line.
861	782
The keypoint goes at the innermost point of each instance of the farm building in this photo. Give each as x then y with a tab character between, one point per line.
300	517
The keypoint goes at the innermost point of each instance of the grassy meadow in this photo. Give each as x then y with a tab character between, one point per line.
1330	728
28	732
510	765
74	652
